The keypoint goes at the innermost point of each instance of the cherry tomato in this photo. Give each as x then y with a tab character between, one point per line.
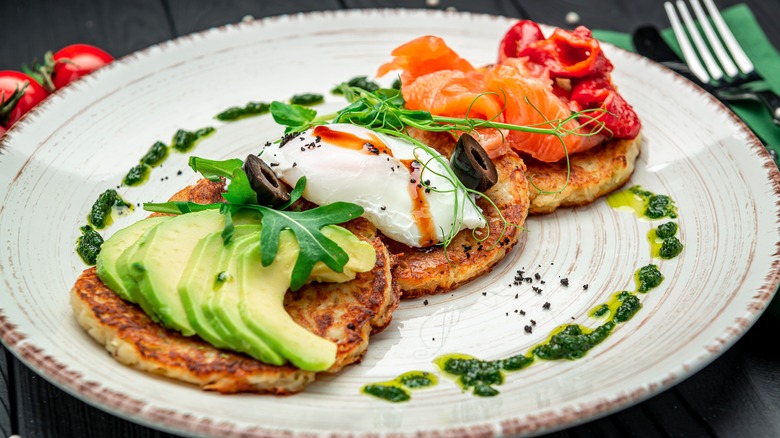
12	87
75	61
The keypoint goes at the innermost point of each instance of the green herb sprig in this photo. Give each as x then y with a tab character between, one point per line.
305	225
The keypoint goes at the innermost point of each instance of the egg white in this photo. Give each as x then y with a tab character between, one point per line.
377	182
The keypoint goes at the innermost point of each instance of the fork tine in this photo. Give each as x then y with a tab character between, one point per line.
736	51
714	41
685	45
701	47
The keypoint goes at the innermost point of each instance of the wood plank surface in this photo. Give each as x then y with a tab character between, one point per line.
737	395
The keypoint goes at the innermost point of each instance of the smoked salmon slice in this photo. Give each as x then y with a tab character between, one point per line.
530	101
436	79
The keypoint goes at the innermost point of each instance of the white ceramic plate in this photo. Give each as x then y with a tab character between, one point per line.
84	138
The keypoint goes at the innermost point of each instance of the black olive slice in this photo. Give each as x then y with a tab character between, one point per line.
263	180
472	165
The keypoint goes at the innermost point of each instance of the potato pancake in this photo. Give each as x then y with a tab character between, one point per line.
346	313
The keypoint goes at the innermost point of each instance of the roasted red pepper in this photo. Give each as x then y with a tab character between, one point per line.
569	54
519	36
598	92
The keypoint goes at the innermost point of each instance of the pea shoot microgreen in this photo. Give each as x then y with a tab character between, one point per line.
382	110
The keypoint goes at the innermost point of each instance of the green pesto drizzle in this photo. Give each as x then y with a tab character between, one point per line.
399	389
569	342
643	203
137	175
100	214
248	110
307	99
185	140
663	241
88	245
157	153
360	82
648	277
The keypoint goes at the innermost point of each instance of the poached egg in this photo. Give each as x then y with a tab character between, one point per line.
406	192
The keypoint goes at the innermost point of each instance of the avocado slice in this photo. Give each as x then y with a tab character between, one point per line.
128	280
158	263
114	246
262	290
220	307
199	278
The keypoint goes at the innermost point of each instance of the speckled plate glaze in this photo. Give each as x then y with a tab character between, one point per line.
83	139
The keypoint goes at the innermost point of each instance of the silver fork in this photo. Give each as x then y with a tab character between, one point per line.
711	72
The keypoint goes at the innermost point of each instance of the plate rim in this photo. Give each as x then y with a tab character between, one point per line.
550	419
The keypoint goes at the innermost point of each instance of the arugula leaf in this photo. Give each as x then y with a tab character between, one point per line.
295	194
306	226
179	207
213	169
296	118
239	190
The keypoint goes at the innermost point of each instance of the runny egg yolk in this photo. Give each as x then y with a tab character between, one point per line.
405	192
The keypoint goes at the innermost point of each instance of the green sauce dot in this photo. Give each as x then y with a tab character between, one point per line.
648	277
670	248
387	392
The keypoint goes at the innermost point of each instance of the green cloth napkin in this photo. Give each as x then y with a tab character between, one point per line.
766	59
761	52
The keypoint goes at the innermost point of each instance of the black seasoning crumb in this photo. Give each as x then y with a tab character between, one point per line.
522	312
528	329
351	326
539	266
303	149
507	313
318	139
118	187
543	282
537	289
517	295
528	279
137	204
533	322
585	286
546	306
268	143
433	339
294	164
572	317
479	248
425	303
273	164
537	276
383	208
565	281
179	172
484	294
551	263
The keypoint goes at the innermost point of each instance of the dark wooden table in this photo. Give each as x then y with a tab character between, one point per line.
737	395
